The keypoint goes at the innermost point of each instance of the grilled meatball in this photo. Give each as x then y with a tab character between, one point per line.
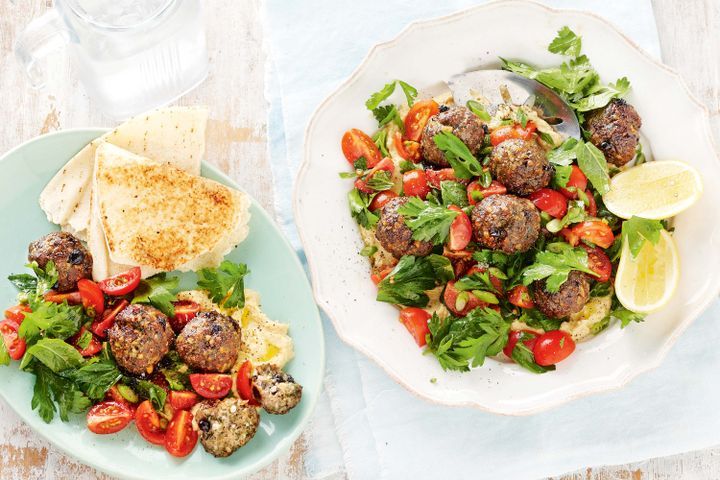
71	258
395	236
571	298
139	338
461	122
225	425
614	130
520	165
276	390
209	342
506	222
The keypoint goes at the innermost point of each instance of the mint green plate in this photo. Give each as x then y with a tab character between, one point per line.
276	274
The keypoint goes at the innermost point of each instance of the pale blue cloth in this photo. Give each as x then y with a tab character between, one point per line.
386	432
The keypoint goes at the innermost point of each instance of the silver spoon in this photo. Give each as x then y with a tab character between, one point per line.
488	83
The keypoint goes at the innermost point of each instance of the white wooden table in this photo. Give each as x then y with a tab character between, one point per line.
690	40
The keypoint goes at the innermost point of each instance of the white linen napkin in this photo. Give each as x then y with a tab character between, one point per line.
386	432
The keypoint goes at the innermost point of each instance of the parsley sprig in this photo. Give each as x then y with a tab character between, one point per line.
407	283
555	264
458	155
428	221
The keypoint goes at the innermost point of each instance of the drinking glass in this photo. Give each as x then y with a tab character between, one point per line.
130	55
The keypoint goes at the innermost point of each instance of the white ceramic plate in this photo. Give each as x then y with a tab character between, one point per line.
427	52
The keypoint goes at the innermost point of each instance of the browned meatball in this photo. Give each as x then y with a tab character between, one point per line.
506	222
276	390
614	130
225	425
140	337
461	122
209	342
570	298
520	165
71	258
395	236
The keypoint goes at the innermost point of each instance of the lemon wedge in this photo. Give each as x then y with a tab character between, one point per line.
645	283
654	190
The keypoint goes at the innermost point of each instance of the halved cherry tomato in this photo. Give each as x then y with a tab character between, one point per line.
108	417
591	207
180	437
14	345
379	277
434	177
183	399
185	311
501	134
92	296
416	321
92	348
122	283
415	184
244	384
529	340
553	347
381	199
407	149
520	297
100	327
460	303
149	424
496	282
17	313
211	385
550	201
418	117
599	262
386	164
570	236
356	144
596	232
72	298
495	188
460	230
577	181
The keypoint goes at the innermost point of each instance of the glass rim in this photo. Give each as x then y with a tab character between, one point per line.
85	17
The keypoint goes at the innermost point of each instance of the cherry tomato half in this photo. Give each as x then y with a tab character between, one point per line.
113	394
386	164
91	349
460	303
553	347
92	296
577	181
72	298
17	313
14	345
180	437
520	297
108	417
495	188
185	311
529	340
434	177
550	201
100	327
416	321
418	117
570	236
596	232
381	199
599	262
183	399
380	276
415	184
122	283
460	230
356	144
496	282
211	385
407	149
148	423
501	134
244	384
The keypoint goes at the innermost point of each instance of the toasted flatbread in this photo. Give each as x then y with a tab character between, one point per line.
159	217
174	135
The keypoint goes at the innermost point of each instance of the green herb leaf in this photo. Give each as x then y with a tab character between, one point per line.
51	389
575	214
525	358
561	176
555	264
564	154
359	203
378	97
602	94
626	316
147	390
522	117
95	377
380	139
536	319
479	110
453	193
412	276
24	282
176	372
158	291
225	284
386	114
636	230
54	353
409	91
53	320
4	354
593	164
427	221
380	181
406	166
566	43
458	155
